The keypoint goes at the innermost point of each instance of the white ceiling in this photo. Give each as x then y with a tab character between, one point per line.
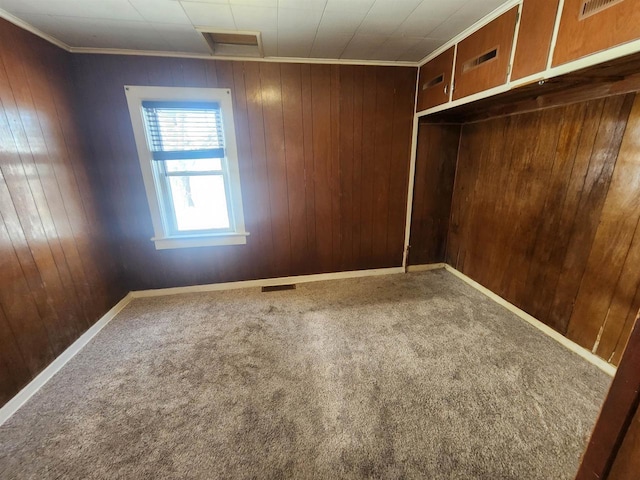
383	30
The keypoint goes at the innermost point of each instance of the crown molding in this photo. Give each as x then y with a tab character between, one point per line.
30	28
206	56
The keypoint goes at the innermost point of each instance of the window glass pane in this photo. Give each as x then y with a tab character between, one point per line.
199	165
199	202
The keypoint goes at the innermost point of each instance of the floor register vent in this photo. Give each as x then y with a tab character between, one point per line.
278	288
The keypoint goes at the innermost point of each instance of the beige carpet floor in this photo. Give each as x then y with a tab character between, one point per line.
401	376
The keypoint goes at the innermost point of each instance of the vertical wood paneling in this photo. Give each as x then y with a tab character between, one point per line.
312	260
357	182
324	156
346	103
58	272
381	166
627	463
276	164
335	168
598	157
552	225
367	190
399	172
294	154
262	206
597	305
614	440
321	106
437	153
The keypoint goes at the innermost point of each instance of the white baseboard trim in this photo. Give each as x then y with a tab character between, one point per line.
574	347
13	405
264	282
424	268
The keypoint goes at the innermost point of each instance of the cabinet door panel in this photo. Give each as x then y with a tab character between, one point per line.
538	17
435	80
591	26
483	57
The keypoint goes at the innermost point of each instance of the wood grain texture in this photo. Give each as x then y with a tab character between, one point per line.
620	23
537	19
323	152
627	463
496	34
550	225
58	269
611	277
617	421
437	153
431	94
607	79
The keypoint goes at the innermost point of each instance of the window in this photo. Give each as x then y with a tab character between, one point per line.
187	150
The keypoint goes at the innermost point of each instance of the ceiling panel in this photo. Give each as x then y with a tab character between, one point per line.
292	19
330	46
363	46
270	43
295	43
415	54
255	18
385	17
210	14
395	47
384	30
349	5
182	38
255	3
341	22
428	16
169	12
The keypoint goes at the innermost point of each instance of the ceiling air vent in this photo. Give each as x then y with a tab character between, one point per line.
234	44
591	7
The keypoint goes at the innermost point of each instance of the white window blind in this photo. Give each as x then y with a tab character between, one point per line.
184	130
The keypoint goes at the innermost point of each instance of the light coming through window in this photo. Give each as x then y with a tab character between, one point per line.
191	156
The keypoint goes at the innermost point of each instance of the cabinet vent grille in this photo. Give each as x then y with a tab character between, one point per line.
434	81
479	60
591	7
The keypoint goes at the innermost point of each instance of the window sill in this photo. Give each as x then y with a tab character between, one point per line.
235	238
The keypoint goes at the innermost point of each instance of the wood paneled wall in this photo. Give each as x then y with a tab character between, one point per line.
627	463
323	151
545	214
57	276
615	440
436	156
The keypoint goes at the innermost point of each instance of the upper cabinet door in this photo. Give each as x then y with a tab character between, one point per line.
435	80
538	17
590	26
483	57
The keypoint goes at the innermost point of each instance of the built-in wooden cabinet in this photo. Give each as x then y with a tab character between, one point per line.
591	26
527	42
434	84
537	21
483	57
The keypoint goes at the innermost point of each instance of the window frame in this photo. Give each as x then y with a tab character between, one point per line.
158	197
